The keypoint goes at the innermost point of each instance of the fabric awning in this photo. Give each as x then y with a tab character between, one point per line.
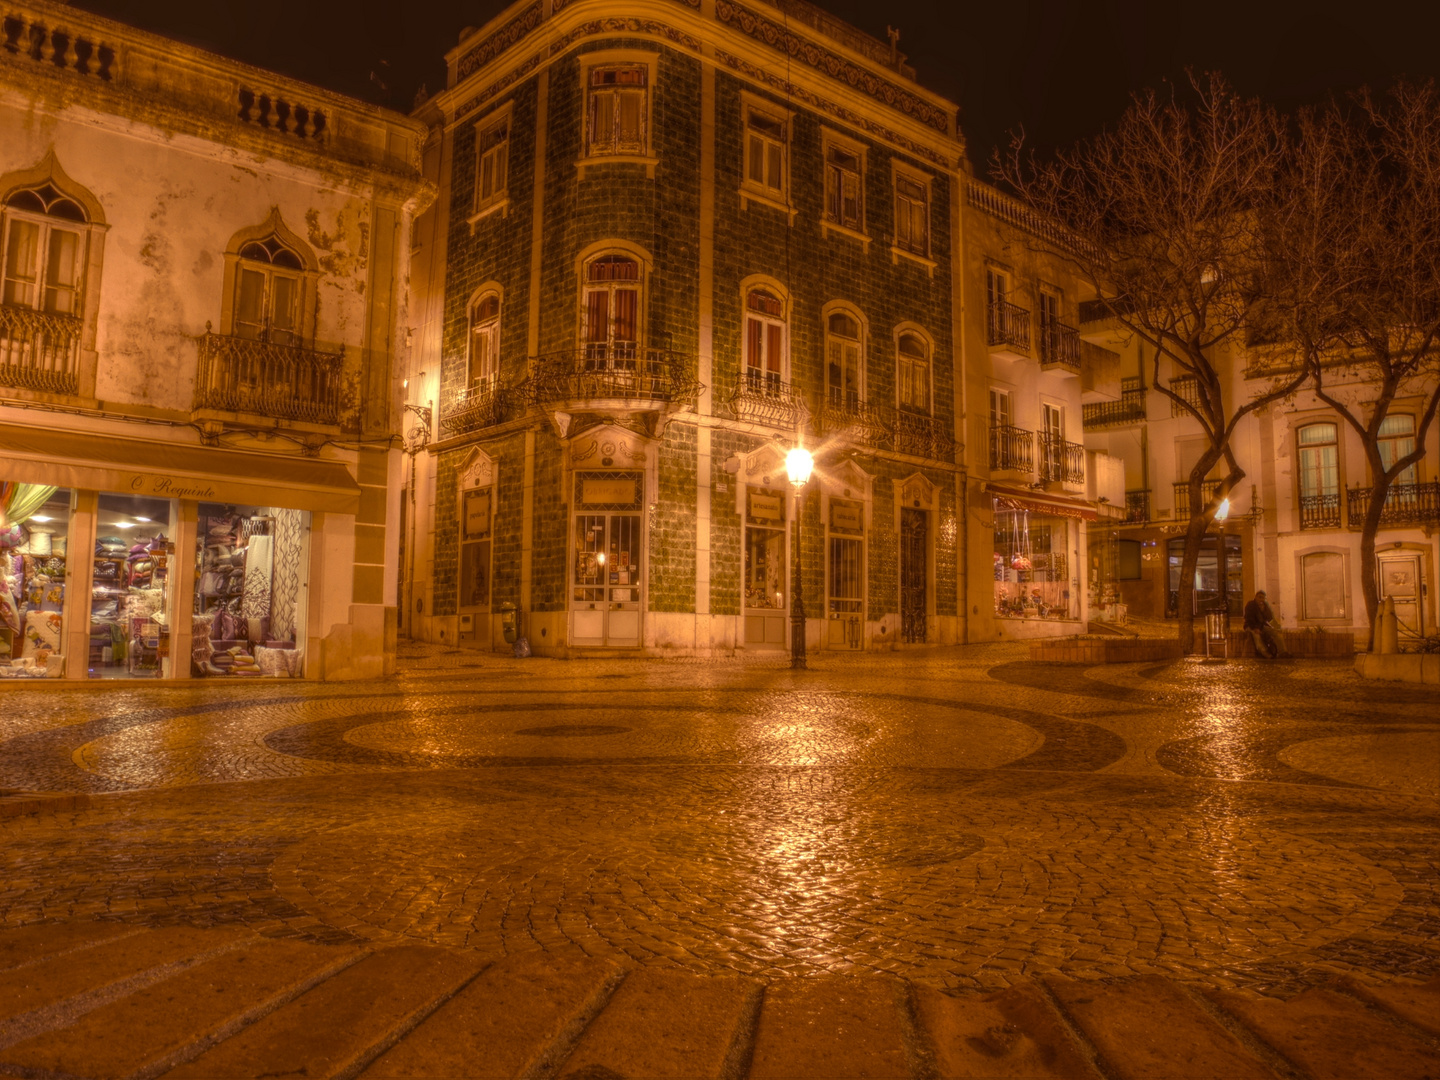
1042	502
174	470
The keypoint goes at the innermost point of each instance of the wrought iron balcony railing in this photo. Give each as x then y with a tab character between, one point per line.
922	436
846	414
1405	504
1061	460
1130	409
1012	448
39	350
1208	490
1188	388
1137	507
760	399
482	404
1059	346
1320	511
283	382
1008	326
637	377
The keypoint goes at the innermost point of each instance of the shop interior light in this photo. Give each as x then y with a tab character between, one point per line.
600	558
1222	511
123	525
42	518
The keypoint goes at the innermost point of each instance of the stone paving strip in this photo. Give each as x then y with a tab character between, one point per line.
100	1001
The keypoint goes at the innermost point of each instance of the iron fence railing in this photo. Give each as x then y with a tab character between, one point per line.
1137	506
760	399
1405	504
1208	490
1012	448
1059	346
1320	511
637	375
482	404
1130	409
846	414
283	382
1008	326
1186	387
922	436
1061	460
39	350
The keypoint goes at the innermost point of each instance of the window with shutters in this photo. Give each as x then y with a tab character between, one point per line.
844	184
1397	440
767	154
44	251
1319	461
492	165
485	340
843	341
765	359
912	214
617	110
268	285
610	320
912	373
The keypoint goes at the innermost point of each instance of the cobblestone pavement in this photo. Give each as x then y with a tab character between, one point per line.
964	821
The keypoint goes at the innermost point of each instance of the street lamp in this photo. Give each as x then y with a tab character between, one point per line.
798	465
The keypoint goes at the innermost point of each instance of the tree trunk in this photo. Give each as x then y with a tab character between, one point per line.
1185	600
1369	587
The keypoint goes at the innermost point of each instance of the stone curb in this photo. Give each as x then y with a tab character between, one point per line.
20	803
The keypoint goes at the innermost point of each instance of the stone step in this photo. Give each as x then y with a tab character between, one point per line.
1015	1034
28	944
834	1026
19	803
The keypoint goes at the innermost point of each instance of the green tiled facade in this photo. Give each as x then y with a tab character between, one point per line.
655	204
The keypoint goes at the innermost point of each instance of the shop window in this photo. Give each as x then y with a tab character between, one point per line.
1032	575
475	545
34	554
617	110
765	565
130	600
766	152
611	329
912	215
1322	585
492	165
846	578
764	340
1397	440
268	287
1127	560
44	242
844	201
485	340
842	360
912	367
251	568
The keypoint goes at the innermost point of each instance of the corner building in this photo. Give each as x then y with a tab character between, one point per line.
672	237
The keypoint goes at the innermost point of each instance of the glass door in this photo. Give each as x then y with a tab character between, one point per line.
605	597
766	590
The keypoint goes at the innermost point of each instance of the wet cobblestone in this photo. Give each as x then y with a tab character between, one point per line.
962	818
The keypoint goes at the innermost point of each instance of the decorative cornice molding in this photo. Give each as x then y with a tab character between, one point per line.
625	26
837	67
509	34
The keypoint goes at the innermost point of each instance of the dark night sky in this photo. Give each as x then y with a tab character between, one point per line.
1061	69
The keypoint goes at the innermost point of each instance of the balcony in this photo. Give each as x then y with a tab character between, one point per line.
482	404
636	380
1137	507
1320	511
1208	490
922	436
39	350
1130	409
1405	504
262	378
759	399
846	415
1059	347
1061	461
1012	448
1187	387
1008	330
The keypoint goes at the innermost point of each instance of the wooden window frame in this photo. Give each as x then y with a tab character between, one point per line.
498	201
831	140
642	150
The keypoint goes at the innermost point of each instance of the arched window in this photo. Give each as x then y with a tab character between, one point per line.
1319	467
1396	440
764	340
267	292
842	360
611	328
485	339
44	245
913	373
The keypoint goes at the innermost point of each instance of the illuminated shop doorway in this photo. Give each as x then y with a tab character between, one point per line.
607	560
766	591
1213	586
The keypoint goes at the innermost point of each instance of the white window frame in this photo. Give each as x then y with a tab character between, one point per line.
851	312
833	140
899	174
751	190
642	150
272	228
901	361
764	381
489	328
46	228
612	355
269	330
498	200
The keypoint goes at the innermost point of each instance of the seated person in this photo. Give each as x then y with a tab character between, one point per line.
1260	621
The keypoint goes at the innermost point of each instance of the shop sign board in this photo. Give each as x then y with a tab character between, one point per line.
846	516
477	514
597	492
167	487
766	507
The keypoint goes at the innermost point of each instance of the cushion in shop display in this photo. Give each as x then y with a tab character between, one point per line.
58	546
106	609
110	545
200	647
42	633
13	537
40	543
9	613
55	567
272	662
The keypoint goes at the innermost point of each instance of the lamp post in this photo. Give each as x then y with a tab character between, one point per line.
798	465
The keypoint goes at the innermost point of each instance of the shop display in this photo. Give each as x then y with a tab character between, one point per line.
249	562
1032	578
34	528
130	579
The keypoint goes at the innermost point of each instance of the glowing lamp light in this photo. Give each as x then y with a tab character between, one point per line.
40	518
1223	510
798	464
600	558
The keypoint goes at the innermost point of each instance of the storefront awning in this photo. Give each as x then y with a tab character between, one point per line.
75	459
1041	502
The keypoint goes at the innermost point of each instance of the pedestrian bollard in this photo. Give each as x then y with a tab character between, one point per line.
1387	628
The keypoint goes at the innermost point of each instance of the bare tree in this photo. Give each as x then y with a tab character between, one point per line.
1162	213
1355	269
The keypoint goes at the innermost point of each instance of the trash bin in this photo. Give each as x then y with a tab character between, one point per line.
1217	633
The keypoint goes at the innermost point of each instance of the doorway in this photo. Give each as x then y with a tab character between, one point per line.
914	548
607	565
1399	577
766	590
